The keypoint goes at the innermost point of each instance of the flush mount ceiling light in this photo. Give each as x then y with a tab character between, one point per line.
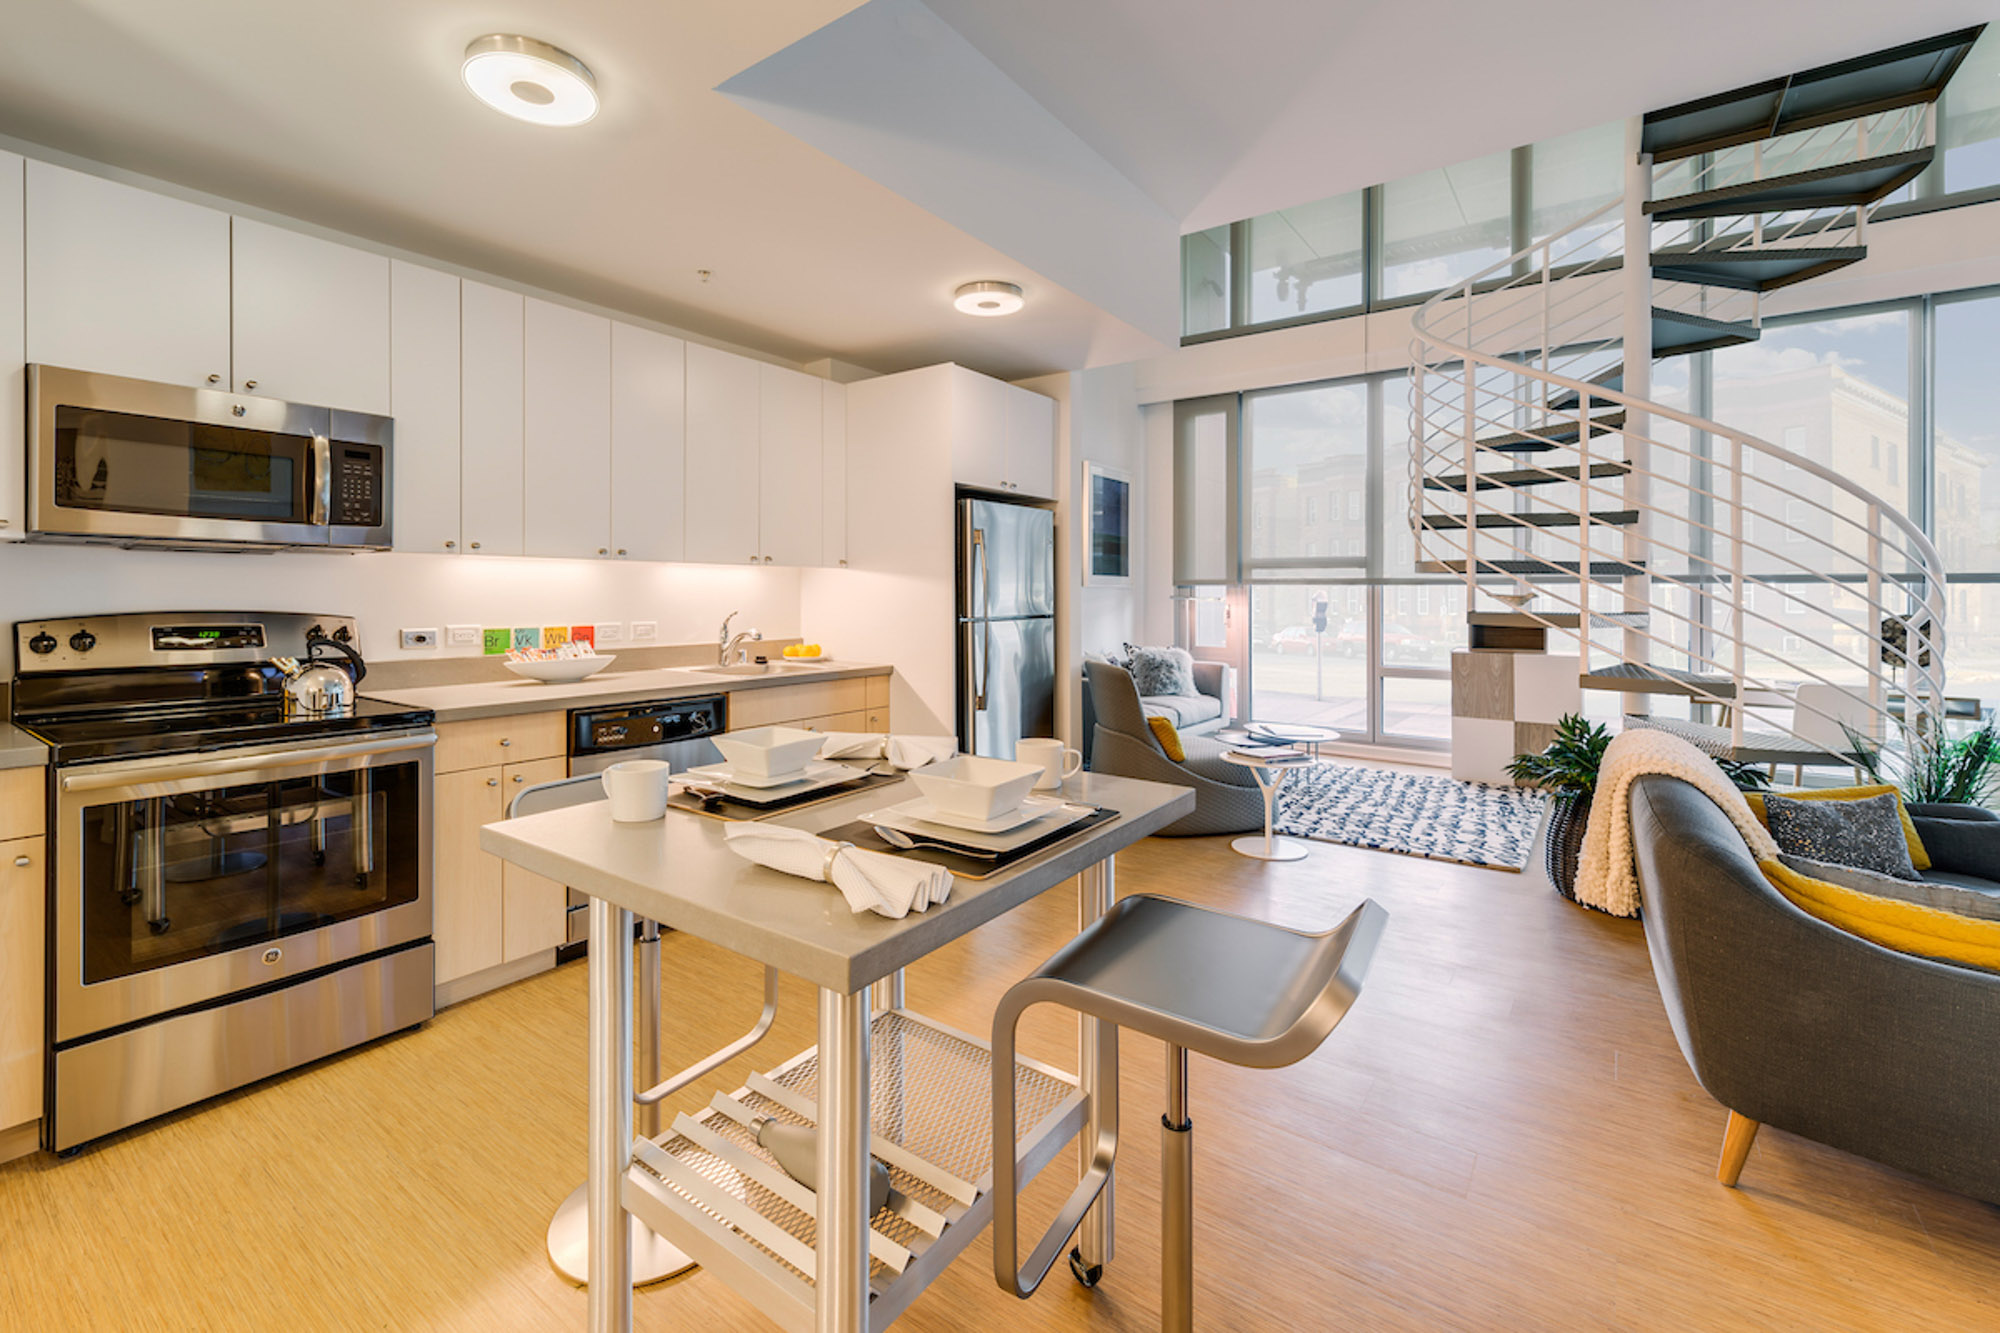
529	80
988	298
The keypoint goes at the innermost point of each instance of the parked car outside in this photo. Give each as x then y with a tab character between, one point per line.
1295	639
1352	641
1400	643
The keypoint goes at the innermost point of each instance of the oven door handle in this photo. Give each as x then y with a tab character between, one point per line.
125	775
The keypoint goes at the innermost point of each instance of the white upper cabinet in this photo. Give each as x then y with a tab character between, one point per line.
721	496
490	331
833	472
978	430
311	319
1031	443
125	282
791	500
567	429
648	443
424	399
13	354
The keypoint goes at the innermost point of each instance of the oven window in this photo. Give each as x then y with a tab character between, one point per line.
174	878
128	464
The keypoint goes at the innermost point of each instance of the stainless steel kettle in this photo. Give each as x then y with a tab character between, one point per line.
316	688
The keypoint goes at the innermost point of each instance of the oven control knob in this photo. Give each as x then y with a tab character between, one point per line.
343	635
83	641
42	644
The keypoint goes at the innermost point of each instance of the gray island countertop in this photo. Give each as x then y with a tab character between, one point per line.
514	695
679	873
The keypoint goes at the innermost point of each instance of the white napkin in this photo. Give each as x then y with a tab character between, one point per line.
870	881
853	745
916	751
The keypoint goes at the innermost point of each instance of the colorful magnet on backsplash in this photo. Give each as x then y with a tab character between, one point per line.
555	636
497	641
527	636
583	634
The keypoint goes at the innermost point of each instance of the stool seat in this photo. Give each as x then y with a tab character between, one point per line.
1229	987
1219	985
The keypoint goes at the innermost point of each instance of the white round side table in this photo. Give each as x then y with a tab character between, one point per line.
1270	775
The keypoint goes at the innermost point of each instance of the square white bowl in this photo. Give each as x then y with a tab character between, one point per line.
769	752
976	787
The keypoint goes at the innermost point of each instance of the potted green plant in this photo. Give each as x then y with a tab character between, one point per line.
1567	770
1934	770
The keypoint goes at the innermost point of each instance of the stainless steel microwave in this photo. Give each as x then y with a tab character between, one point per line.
135	463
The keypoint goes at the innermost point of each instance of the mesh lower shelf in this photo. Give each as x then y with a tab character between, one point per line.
708	1187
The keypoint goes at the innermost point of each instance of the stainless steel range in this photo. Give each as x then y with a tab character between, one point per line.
241	869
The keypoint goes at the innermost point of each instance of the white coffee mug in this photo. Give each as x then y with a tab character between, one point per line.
637	790
1057	761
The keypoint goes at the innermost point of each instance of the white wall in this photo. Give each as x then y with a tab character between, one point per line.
391	591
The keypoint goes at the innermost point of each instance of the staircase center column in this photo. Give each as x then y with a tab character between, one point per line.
1637	279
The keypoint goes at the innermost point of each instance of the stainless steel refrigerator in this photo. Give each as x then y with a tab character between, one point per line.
1006	625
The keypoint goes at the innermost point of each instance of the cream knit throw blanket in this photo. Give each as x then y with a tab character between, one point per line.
1604	876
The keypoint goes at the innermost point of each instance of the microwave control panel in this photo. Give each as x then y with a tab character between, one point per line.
357	485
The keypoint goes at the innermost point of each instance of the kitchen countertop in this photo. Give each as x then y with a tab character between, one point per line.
20	750
503	698
679	872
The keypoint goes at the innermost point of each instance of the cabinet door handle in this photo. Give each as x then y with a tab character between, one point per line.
753	559
215	379
621	550
767	559
249	385
519	778
492	782
475	546
449	545
23	861
504	742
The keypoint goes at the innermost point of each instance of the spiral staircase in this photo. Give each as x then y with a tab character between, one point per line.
1687	556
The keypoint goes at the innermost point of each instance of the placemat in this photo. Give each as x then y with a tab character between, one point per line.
862	834
726	808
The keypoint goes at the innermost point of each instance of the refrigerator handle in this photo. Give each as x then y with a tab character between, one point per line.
985	665
980	575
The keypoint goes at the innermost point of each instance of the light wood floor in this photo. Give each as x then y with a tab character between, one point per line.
1502	1136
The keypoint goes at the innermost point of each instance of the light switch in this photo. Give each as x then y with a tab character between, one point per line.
645	631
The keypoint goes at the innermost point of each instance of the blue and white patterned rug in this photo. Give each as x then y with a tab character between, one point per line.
1413	813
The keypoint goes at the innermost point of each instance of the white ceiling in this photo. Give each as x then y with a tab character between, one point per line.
350	115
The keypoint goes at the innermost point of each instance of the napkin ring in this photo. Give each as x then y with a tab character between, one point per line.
833	850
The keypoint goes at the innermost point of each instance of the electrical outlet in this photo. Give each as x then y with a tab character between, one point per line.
645	631
420	638
462	636
614	632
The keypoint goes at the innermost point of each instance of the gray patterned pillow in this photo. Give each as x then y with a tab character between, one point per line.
1944	897
1158	671
1867	833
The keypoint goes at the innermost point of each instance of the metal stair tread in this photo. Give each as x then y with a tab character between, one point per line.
1861	182
1753	269
1895	76
1534	568
1526	476
1553	436
1612	379
1642	678
1679	333
1758	747
1554	518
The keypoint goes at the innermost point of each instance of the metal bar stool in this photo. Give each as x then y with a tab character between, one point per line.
1220	985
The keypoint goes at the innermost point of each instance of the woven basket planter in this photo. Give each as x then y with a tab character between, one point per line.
1569	815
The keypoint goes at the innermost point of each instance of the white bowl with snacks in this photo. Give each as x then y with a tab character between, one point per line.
561	670
768	752
975	787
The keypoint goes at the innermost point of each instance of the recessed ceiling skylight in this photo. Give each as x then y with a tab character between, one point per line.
529	80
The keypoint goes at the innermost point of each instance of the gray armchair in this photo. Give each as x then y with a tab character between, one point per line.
1791	1022
1195	714
1227	799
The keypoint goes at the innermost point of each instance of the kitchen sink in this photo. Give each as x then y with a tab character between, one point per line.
758	669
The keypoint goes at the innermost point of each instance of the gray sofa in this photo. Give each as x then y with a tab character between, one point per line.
1788	1021
1227	799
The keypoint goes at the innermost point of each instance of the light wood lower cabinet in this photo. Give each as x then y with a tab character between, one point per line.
486	912
789	705
23	875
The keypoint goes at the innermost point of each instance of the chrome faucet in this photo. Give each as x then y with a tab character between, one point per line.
725	642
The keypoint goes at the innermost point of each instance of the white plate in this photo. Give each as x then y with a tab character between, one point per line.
922	810
1045	815
819	777
723	774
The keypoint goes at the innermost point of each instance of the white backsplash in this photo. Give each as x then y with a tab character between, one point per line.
391	591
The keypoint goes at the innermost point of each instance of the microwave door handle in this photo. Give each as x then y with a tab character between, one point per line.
322	471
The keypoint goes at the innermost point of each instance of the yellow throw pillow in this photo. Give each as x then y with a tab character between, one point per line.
1169	737
1904	927
1918	856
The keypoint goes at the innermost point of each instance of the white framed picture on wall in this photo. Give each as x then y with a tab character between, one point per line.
1107	551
